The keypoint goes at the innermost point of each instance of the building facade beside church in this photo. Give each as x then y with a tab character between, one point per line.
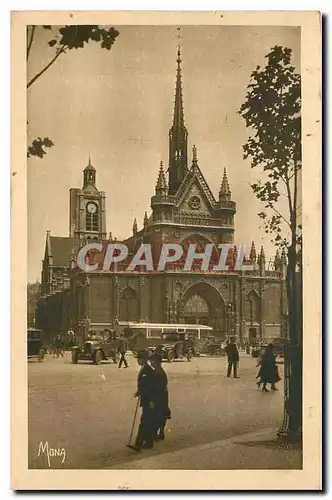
250	304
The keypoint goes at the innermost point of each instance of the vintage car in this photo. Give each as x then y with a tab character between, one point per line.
175	346
95	349
212	347
35	344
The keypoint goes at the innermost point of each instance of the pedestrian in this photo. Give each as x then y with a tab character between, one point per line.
58	346
232	358
122	349
268	372
258	376
146	393
161	401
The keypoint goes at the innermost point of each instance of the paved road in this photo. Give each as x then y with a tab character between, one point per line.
88	409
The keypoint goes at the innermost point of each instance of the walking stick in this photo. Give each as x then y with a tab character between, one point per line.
129	445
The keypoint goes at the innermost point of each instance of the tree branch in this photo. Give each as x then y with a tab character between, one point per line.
61	51
280	215
30	41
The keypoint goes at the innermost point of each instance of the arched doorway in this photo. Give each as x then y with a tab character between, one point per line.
196	310
202	303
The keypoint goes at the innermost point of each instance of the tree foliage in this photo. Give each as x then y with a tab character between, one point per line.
65	39
38	146
272	110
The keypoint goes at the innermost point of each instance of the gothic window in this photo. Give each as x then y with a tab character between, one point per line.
253	307
196	304
92	217
129	307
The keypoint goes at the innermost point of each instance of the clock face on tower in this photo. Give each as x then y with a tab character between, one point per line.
91	208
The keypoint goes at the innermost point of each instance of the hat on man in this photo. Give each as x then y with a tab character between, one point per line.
143	355
157	358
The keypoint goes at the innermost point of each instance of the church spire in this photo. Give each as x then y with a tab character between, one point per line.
178	118
224	192
178	135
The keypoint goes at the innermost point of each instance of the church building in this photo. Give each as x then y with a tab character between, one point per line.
184	210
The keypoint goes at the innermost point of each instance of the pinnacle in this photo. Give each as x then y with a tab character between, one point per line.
262	254
161	181
224	188
253	253
194	155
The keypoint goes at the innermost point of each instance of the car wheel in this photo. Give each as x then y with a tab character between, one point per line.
74	357
170	356
97	358
218	352
41	355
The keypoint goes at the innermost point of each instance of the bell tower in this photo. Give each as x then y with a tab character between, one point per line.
87	211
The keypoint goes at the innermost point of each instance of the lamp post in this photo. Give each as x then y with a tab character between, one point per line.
251	319
228	318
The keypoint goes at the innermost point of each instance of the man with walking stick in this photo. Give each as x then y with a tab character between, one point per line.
146	394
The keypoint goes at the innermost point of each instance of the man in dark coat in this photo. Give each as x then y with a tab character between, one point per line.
162	410
122	349
232	358
146	393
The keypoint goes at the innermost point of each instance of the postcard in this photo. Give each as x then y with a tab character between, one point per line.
166	225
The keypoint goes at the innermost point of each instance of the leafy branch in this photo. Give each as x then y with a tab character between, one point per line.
67	38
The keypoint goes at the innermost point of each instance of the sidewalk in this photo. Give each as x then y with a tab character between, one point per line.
258	450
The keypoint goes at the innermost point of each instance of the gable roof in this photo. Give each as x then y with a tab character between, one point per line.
192	174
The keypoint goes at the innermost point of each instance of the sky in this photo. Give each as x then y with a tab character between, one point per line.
117	106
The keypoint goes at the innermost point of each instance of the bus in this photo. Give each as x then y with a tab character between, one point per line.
145	335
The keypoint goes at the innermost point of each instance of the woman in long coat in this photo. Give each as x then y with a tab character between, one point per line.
268	372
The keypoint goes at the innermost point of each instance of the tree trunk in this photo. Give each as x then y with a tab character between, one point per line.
292	425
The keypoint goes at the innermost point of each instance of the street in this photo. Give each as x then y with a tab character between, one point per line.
88	410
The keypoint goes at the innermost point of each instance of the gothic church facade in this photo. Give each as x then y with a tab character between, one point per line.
250	304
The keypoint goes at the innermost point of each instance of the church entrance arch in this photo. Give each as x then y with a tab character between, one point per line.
203	304
196	310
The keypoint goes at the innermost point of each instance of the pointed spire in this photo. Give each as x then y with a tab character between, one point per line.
253	253
262	255
178	117
146	220
161	186
135	227
178	136
283	256
194	155
224	192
